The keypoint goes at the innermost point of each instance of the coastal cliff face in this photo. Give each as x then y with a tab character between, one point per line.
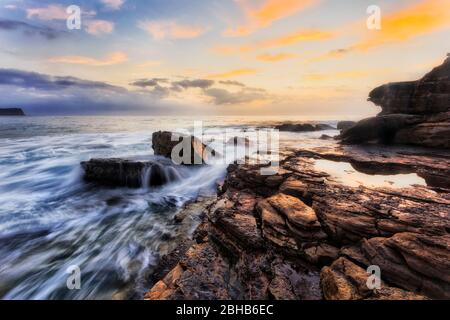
11	112
414	112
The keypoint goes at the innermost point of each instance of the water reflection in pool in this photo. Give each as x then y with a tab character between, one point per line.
344	173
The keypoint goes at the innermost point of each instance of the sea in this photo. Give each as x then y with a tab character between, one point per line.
51	220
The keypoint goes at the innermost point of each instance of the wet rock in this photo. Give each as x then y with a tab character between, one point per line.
188	150
344	125
381	129
303	127
128	173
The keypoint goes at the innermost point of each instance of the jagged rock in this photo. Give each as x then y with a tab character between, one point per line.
188	149
129	173
303	127
344	280
413	261
11	112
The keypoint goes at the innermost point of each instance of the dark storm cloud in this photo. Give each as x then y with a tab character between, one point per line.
29	29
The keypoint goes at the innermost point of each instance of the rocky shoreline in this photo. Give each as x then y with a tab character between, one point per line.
299	235
303	234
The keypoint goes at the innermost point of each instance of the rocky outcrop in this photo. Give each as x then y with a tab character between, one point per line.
414	112
129	173
303	127
11	112
188	149
300	235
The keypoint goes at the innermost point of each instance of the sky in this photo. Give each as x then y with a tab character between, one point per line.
313	58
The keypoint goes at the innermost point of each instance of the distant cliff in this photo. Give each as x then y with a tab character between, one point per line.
11	112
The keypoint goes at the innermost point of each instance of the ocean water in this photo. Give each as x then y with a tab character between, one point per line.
50	219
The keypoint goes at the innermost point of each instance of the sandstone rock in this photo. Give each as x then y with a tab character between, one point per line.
415	262
188	149
429	95
381	129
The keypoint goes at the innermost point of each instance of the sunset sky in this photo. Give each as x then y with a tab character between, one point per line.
214	57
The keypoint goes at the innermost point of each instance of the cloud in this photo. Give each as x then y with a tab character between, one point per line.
53	12
113	4
99	27
338	75
225	97
265	14
232	83
34	80
29	29
402	25
267	57
197	83
113	59
233	73
169	29
39	93
143	83
281	41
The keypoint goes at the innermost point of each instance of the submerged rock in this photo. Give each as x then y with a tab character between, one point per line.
188	149
344	125
128	173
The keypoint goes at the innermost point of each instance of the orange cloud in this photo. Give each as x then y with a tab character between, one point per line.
112	59
285	40
268	12
99	27
168	29
267	57
337	75
233	73
422	18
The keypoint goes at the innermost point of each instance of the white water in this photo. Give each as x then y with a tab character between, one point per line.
50	219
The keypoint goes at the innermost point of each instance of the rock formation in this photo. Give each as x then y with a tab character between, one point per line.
11	112
414	112
128	173
303	127
188	149
300	235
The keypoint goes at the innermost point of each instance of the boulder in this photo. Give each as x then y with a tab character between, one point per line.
381	129
188	149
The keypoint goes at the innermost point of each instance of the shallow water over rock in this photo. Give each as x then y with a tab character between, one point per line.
345	173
